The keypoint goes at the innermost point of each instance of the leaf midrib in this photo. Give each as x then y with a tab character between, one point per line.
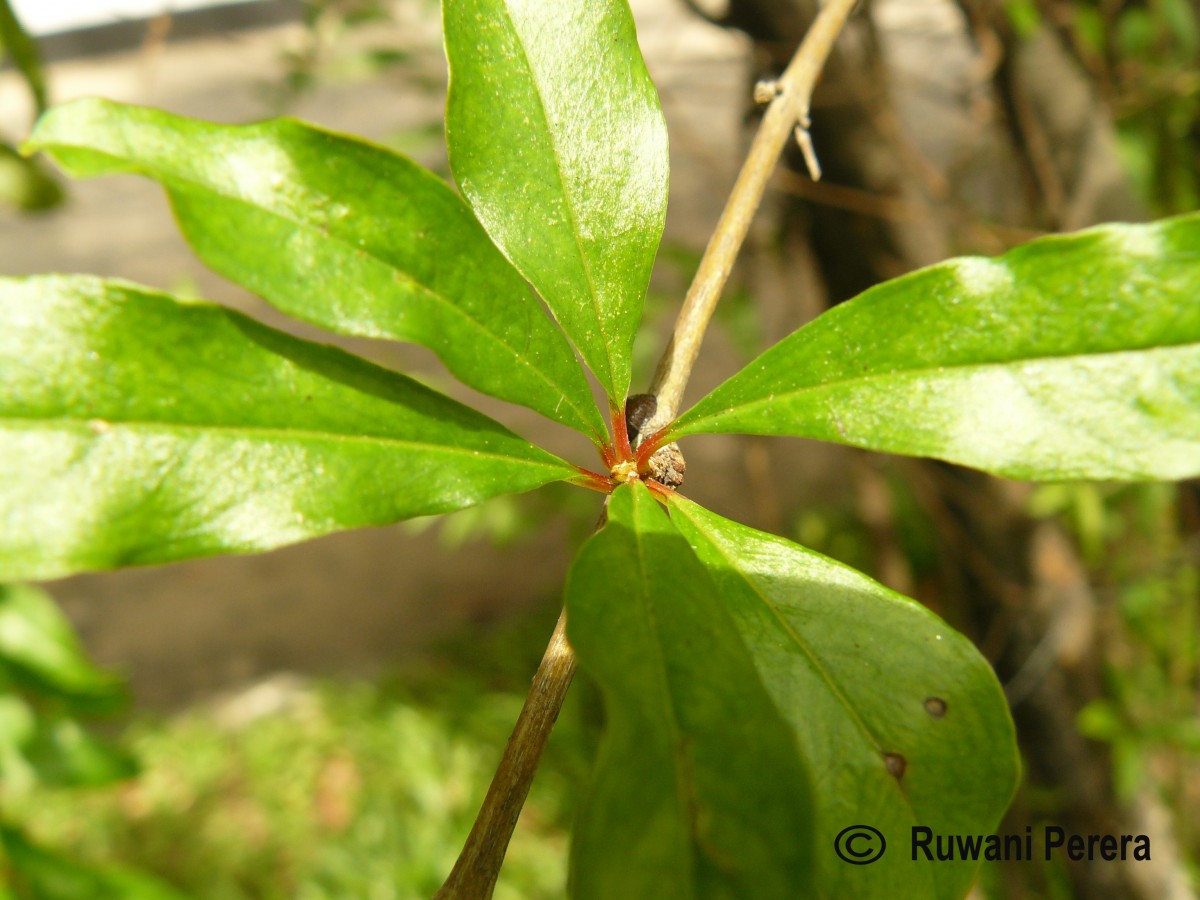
675	732
789	396
570	204
443	300
825	676
333	233
265	433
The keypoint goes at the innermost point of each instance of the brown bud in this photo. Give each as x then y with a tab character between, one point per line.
639	409
666	465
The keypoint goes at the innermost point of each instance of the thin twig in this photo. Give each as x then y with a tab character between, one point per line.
789	108
475	872
478	866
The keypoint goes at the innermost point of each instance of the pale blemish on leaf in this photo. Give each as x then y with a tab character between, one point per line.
980	277
1138	241
936	707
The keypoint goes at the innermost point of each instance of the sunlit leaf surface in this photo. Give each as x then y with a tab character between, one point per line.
899	719
558	142
698	789
342	233
138	429
1070	357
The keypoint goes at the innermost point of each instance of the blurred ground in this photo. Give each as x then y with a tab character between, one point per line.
360	601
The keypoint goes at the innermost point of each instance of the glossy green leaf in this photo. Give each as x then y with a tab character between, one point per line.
341	233
39	647
23	51
698	786
138	429
1070	357
558	142
899	719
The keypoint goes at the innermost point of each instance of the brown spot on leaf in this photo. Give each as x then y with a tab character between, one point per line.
895	764
935	706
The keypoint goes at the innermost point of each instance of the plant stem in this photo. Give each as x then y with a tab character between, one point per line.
789	107
478	866
474	874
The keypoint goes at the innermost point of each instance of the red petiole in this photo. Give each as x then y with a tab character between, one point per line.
620	434
650	446
619	452
594	480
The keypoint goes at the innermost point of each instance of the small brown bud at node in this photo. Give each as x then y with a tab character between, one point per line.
666	466
638	411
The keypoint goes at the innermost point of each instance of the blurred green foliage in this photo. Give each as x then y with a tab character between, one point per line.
1141	546
24	183
46	685
1144	58
320	790
327	55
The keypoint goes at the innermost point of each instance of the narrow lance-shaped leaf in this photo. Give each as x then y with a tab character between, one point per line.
898	717
341	233
138	429
1070	357
558	141
698	789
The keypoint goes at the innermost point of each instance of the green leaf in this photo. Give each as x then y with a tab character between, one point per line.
24	52
558	142
897	714
341	233
1070	357
39	645
138	429
698	785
